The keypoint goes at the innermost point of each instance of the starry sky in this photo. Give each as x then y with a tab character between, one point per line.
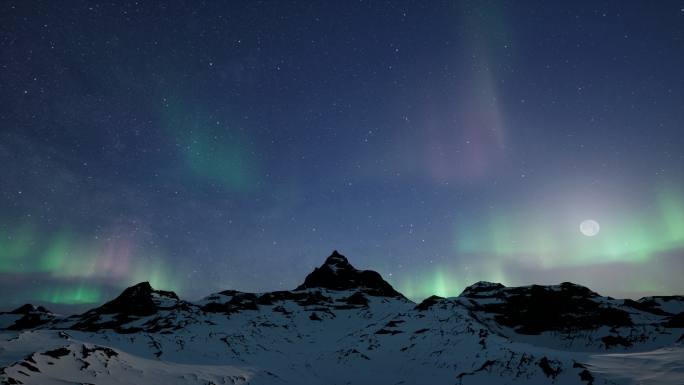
206	146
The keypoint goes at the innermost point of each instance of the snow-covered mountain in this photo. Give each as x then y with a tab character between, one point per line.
349	326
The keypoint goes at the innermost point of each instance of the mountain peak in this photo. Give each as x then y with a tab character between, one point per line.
337	261
28	308
481	289
137	300
338	274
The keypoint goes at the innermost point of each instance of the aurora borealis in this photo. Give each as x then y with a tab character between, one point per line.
206	147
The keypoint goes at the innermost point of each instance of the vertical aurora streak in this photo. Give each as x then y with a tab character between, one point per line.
15	247
671	202
70	294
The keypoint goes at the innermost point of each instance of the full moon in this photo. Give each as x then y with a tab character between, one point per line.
589	228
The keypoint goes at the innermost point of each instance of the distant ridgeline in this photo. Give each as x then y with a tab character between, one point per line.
342	325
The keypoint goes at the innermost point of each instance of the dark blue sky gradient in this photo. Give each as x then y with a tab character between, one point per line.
213	146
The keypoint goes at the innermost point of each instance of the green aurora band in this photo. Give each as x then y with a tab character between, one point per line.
501	241
70	294
78	266
632	239
214	147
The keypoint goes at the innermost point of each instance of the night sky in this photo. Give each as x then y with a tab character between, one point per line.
234	145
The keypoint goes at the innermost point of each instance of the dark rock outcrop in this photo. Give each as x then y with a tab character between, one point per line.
676	321
427	303
481	289
136	301
646	306
566	308
337	274
31	317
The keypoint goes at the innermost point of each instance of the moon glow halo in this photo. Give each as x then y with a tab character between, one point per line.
589	228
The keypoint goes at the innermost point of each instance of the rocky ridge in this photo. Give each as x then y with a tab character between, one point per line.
340	325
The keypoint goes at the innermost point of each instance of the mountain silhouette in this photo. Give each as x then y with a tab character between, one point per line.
338	274
344	325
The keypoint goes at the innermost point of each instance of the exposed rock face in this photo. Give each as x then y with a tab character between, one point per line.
136	301
565	308
28	317
27	309
677	321
482	289
337	274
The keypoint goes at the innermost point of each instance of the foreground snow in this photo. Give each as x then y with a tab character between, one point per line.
661	366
